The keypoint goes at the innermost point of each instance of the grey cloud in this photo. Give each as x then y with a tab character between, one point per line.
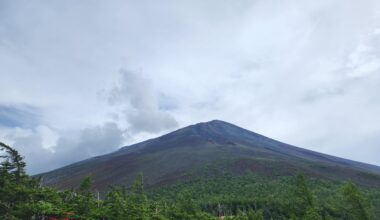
167	103
88	142
151	121
91	142
37	158
364	58
321	93
135	89
141	104
30	144
304	72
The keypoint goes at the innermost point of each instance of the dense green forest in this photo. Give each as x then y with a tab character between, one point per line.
206	197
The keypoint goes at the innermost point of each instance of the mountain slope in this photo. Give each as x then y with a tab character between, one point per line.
188	152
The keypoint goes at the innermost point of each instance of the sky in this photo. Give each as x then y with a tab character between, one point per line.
84	78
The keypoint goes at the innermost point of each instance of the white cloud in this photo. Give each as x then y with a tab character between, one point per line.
44	151
304	72
139	102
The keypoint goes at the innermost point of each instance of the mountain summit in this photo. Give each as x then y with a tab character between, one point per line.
187	152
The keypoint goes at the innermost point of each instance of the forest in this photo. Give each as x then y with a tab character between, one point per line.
245	197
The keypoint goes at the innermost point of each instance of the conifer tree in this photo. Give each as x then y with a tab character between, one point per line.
354	204
116	204
15	185
85	202
302	201
138	204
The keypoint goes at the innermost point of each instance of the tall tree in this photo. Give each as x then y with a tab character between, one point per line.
354	204
116	204
15	185
303	200
138	204
85	202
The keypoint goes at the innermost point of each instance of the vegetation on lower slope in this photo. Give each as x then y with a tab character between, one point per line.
247	197
285	198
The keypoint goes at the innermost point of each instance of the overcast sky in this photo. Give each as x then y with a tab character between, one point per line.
83	78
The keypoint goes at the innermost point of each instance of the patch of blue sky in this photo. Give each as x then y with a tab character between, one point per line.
23	116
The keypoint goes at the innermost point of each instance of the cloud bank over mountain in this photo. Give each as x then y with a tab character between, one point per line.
84	78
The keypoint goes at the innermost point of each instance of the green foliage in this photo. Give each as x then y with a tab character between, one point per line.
353	203
85	202
138	205
116	204
303	201
16	187
312	214
255	215
250	215
282	198
85	186
186	208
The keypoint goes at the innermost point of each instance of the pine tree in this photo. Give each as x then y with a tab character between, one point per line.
302	201
354	204
138	203
116	204
84	202
15	186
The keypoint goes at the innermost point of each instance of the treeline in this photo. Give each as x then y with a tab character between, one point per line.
22	197
291	198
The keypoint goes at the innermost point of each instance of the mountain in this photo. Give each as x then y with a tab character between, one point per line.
216	146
